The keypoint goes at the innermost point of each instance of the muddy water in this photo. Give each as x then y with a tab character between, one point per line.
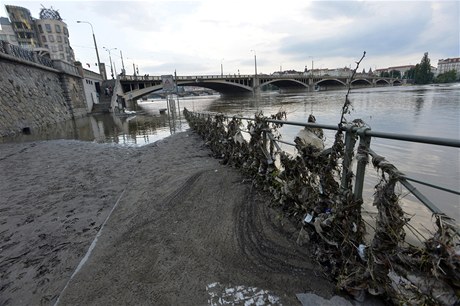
417	110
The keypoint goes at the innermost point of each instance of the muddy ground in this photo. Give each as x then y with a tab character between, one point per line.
184	230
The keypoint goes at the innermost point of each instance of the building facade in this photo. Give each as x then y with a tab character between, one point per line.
48	35
54	36
6	31
445	65
23	26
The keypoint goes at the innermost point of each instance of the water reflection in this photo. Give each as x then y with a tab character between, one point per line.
137	129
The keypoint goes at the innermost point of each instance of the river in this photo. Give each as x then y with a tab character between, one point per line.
428	110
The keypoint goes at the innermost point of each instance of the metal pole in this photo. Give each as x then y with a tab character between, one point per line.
362	157
255	62
95	46
347	158
122	63
221	68
111	66
110	58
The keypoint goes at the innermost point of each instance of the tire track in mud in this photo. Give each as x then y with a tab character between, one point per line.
264	243
172	199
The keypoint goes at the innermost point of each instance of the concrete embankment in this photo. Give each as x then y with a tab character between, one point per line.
34	96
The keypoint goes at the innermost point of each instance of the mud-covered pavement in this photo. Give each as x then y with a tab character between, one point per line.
173	227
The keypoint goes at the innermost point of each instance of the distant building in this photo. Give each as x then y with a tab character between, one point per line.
47	36
6	31
445	65
54	35
401	69
23	26
325	72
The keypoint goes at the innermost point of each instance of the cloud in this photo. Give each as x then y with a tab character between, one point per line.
350	29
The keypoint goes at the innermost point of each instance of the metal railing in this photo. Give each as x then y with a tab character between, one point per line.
363	135
24	54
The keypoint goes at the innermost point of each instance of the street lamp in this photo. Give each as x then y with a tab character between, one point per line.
134	66
95	46
110	58
122	64
255	62
221	68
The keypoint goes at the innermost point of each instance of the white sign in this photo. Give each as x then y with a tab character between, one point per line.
168	82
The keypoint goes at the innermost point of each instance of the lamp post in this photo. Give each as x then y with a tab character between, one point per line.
255	62
221	68
110	58
134	66
122	64
95	46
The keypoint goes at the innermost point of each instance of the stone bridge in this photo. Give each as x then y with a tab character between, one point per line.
134	87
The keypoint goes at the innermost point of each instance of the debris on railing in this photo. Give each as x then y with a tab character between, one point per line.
309	187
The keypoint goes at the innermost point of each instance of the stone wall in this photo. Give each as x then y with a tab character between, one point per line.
33	96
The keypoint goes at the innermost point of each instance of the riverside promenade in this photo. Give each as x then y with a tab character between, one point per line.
164	224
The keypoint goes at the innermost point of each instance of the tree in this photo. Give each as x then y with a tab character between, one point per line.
409	74
423	74
395	74
447	77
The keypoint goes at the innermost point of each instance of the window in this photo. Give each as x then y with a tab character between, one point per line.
61	48
66	33
66	40
43	38
3	37
59	39
61	55
40	29
53	48
51	38
48	28
13	37
58	28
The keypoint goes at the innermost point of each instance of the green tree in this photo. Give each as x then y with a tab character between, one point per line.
409	74
423	74
447	77
395	74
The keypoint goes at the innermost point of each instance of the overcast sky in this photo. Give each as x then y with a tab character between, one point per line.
197	37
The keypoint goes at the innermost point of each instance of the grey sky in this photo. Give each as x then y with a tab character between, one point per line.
197	37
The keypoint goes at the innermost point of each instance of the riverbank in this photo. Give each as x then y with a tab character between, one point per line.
184	229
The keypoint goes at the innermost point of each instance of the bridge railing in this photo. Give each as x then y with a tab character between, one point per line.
184	78
330	215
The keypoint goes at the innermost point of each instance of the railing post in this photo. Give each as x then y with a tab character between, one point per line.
350	141
362	158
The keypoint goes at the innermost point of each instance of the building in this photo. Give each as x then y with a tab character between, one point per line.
6	31
401	69
445	65
54	35
23	26
48	35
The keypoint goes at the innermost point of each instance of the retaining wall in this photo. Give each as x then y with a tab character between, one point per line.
33	95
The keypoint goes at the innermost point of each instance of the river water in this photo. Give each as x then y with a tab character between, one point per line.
416	110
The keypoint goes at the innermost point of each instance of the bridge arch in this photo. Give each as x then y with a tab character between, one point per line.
221	86
382	82
327	83
284	83
361	82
